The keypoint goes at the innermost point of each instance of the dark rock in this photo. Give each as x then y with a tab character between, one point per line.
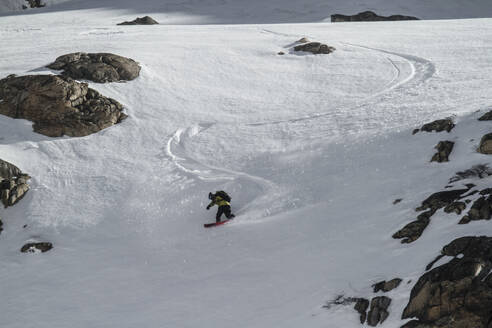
379	310
480	210
444	148
361	306
281	53
485	146
396	201
368	16
34	4
415	131
1	225
97	67
36	247
486	191
477	171
456	207
58	105
315	48
386	286
441	199
412	231
456	294
486	117
147	20
13	183
438	126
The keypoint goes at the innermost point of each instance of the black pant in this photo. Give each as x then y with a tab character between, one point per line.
224	209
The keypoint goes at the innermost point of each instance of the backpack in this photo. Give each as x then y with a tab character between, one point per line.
222	194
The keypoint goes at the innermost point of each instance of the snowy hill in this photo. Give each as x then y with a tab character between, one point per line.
314	149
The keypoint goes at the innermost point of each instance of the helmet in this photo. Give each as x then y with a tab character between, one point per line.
210	195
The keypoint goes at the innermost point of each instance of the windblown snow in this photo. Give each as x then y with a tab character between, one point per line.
312	148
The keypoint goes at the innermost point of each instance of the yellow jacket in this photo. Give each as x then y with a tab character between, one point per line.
219	201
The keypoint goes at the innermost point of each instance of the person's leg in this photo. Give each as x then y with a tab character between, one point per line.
219	214
227	212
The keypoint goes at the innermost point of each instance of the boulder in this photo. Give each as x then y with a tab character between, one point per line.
412	231
361	306
438	126
97	67
13	184
480	210
379	310
315	48
444	148
36	247
34	4
456	207
58	105
368	16
486	117
147	20
456	294
386	286
486	144
441	199
479	171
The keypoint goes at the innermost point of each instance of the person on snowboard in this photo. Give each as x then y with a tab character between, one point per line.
221	199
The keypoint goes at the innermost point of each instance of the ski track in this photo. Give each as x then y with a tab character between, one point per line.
421	70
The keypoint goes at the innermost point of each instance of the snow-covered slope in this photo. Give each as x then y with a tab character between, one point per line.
313	149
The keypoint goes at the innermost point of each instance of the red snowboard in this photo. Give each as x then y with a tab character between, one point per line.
215	224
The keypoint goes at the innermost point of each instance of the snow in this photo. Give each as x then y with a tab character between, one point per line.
312	149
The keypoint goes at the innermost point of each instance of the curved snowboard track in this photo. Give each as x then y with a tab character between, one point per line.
176	150
418	69
421	70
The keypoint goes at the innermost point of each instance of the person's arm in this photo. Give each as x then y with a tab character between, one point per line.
212	203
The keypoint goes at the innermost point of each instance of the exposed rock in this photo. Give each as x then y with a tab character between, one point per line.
315	48
412	231
441	199
480	210
13	184
280	53
34	4
58	105
444	148
361	306
97	67
36	247
396	201
456	207
457	294
386	286
1	225
368	16
486	144
379	310
303	40
486	117
479	171
438	126
147	20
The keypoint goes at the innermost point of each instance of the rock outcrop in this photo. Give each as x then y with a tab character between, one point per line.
147	20
361	306
486	117
36	247
368	16
34	4
58	105
315	48
413	230
379	310
480	210
386	286
457	294
444	149
97	67
486	144
437	126
13	184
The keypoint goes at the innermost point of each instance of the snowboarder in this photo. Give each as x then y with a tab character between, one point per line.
221	199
